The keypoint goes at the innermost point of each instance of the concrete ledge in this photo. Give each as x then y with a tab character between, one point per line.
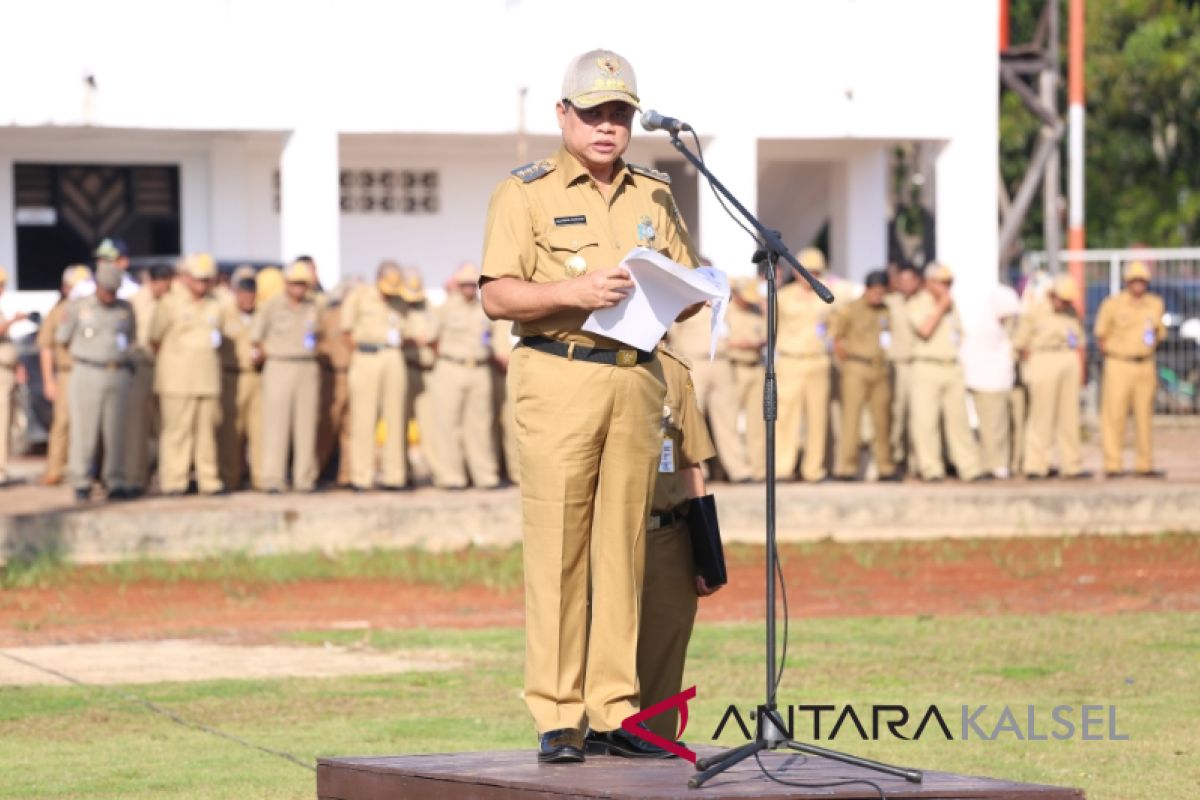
193	527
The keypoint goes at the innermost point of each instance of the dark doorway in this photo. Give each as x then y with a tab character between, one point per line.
64	210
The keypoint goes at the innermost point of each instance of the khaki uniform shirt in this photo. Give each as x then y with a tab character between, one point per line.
549	222
238	352
690	338
286	330
143	308
902	334
333	351
462	330
98	333
864	331
683	426
745	324
188	334
47	338
1042	329
8	352
1130	328
373	319
942	344
803	322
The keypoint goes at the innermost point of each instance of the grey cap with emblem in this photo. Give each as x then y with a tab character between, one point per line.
599	76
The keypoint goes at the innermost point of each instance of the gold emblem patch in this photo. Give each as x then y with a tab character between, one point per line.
609	65
576	265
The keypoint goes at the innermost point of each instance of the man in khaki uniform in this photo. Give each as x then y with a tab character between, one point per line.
671	585
143	423
744	348
861	335
99	331
1050	342
240	439
285	333
589	410
905	285
462	387
333	355
372	320
502	341
186	334
1129	327
938	394
56	376
8	378
803	373
419	360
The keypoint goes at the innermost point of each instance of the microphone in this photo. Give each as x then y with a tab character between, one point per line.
654	121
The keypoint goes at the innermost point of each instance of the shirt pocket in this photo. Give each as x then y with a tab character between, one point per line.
572	252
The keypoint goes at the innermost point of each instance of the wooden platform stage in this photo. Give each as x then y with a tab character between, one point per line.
510	774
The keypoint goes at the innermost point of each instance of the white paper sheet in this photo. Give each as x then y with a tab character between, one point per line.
662	289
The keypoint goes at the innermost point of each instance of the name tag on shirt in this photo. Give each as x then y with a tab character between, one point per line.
666	459
578	219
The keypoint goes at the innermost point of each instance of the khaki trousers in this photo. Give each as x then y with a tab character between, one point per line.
506	442
1054	380
240	440
804	388
8	385
290	391
716	395
418	405
1019	399
939	400
189	438
59	440
98	417
870	386
140	416
589	437
668	615
748	381
462	409
995	425
333	429
1128	386
377	392
902	415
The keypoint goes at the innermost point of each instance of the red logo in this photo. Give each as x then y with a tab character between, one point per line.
632	723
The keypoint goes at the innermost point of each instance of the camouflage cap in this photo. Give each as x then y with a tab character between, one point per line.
599	76
109	275
1136	270
74	275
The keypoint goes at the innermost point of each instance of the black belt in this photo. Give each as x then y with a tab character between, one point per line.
656	522
108	365
1133	359
374	348
468	362
625	357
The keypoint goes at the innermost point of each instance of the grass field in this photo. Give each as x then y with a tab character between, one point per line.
85	742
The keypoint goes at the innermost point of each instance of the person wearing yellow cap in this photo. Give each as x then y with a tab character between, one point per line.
372	320
804	374
99	330
588	408
1050	340
462	387
285	333
8	377
744	348
186	333
55	361
1129	327
419	361
938	394
144	424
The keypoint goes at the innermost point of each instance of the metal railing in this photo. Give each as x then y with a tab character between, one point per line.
1175	278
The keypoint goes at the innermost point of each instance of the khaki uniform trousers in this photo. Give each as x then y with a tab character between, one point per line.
290	391
241	429
804	388
938	399
333	429
377	392
716	396
995	425
748	380
589	438
140	417
58	443
668	615
189	438
902	415
1019	400
1128	386
462	408
869	386
98	416
503	409
8	385
1054	380
418	405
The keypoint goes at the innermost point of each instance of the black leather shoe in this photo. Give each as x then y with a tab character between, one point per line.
1150	473
622	743
891	477
561	746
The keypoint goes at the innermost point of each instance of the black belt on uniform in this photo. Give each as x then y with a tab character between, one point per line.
375	348
111	366
625	357
466	362
1133	359
944	361
657	522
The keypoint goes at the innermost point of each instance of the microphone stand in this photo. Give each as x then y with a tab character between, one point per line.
770	732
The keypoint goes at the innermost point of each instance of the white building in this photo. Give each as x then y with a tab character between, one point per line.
261	129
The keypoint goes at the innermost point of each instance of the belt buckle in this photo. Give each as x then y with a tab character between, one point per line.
626	357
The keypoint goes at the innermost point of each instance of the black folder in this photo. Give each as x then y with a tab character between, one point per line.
705	531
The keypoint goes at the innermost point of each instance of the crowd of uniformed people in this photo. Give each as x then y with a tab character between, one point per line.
260	379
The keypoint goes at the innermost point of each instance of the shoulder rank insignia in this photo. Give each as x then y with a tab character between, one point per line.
649	173
534	170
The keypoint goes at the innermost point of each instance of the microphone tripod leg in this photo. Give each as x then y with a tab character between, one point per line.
910	775
724	761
